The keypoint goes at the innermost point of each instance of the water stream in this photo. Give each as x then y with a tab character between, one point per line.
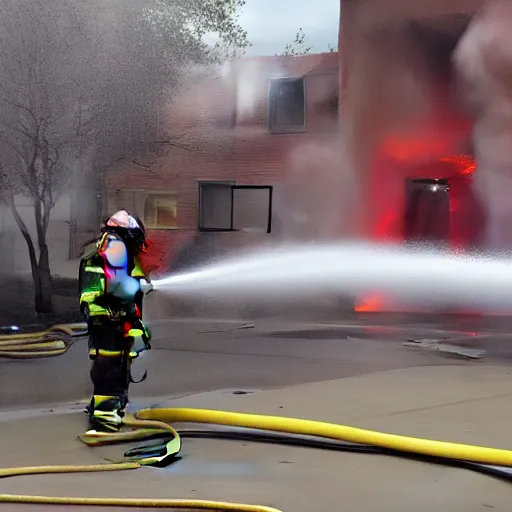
417	276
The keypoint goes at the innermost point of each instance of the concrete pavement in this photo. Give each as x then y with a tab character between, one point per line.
193	356
456	403
349	374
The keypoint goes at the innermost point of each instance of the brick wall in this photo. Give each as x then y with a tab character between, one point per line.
218	131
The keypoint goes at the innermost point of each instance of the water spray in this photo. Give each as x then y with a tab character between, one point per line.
427	277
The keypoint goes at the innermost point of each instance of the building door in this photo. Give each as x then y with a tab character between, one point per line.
427	212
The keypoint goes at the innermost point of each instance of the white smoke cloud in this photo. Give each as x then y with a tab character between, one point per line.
318	192
248	88
484	61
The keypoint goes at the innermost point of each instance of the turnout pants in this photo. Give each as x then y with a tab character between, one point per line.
110	352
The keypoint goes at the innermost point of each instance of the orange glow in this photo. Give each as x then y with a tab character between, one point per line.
406	149
429	138
464	164
372	303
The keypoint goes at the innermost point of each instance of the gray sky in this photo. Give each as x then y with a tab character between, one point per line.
271	24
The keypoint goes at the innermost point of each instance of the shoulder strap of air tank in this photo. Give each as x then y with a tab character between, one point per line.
92	248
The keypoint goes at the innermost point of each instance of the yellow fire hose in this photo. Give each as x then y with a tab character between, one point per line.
161	418
57	341
145	427
439	449
50	343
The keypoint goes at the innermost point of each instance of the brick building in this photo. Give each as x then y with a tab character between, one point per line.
402	169
263	122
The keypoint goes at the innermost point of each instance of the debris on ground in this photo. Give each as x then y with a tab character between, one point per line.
438	346
247	325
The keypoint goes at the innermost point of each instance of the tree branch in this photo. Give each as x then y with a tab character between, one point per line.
9	198
172	144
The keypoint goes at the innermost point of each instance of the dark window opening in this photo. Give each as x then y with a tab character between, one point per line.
427	212
287	105
228	207
215	206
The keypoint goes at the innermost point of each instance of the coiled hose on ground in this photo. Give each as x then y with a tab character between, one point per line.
36	345
274	429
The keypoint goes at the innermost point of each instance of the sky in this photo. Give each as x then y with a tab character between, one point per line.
272	24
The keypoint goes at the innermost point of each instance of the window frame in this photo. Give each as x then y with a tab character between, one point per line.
200	184
283	129
234	187
270	188
151	193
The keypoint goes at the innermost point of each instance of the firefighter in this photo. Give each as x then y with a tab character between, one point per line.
112	285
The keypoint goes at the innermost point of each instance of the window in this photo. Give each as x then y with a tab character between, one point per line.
287	105
224	206
215	205
161	211
252	208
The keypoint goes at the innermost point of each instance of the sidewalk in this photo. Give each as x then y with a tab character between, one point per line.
467	404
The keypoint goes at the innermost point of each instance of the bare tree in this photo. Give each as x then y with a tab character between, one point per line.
299	46
38	108
148	49
91	79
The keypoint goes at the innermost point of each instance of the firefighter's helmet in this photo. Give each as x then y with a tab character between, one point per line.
129	228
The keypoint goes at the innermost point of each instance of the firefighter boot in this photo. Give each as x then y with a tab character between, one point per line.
106	413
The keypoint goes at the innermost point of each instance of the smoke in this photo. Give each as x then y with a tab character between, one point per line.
314	185
395	96
483	59
388	89
318	196
247	89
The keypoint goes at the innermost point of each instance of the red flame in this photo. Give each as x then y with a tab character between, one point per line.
372	303
464	165
457	168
